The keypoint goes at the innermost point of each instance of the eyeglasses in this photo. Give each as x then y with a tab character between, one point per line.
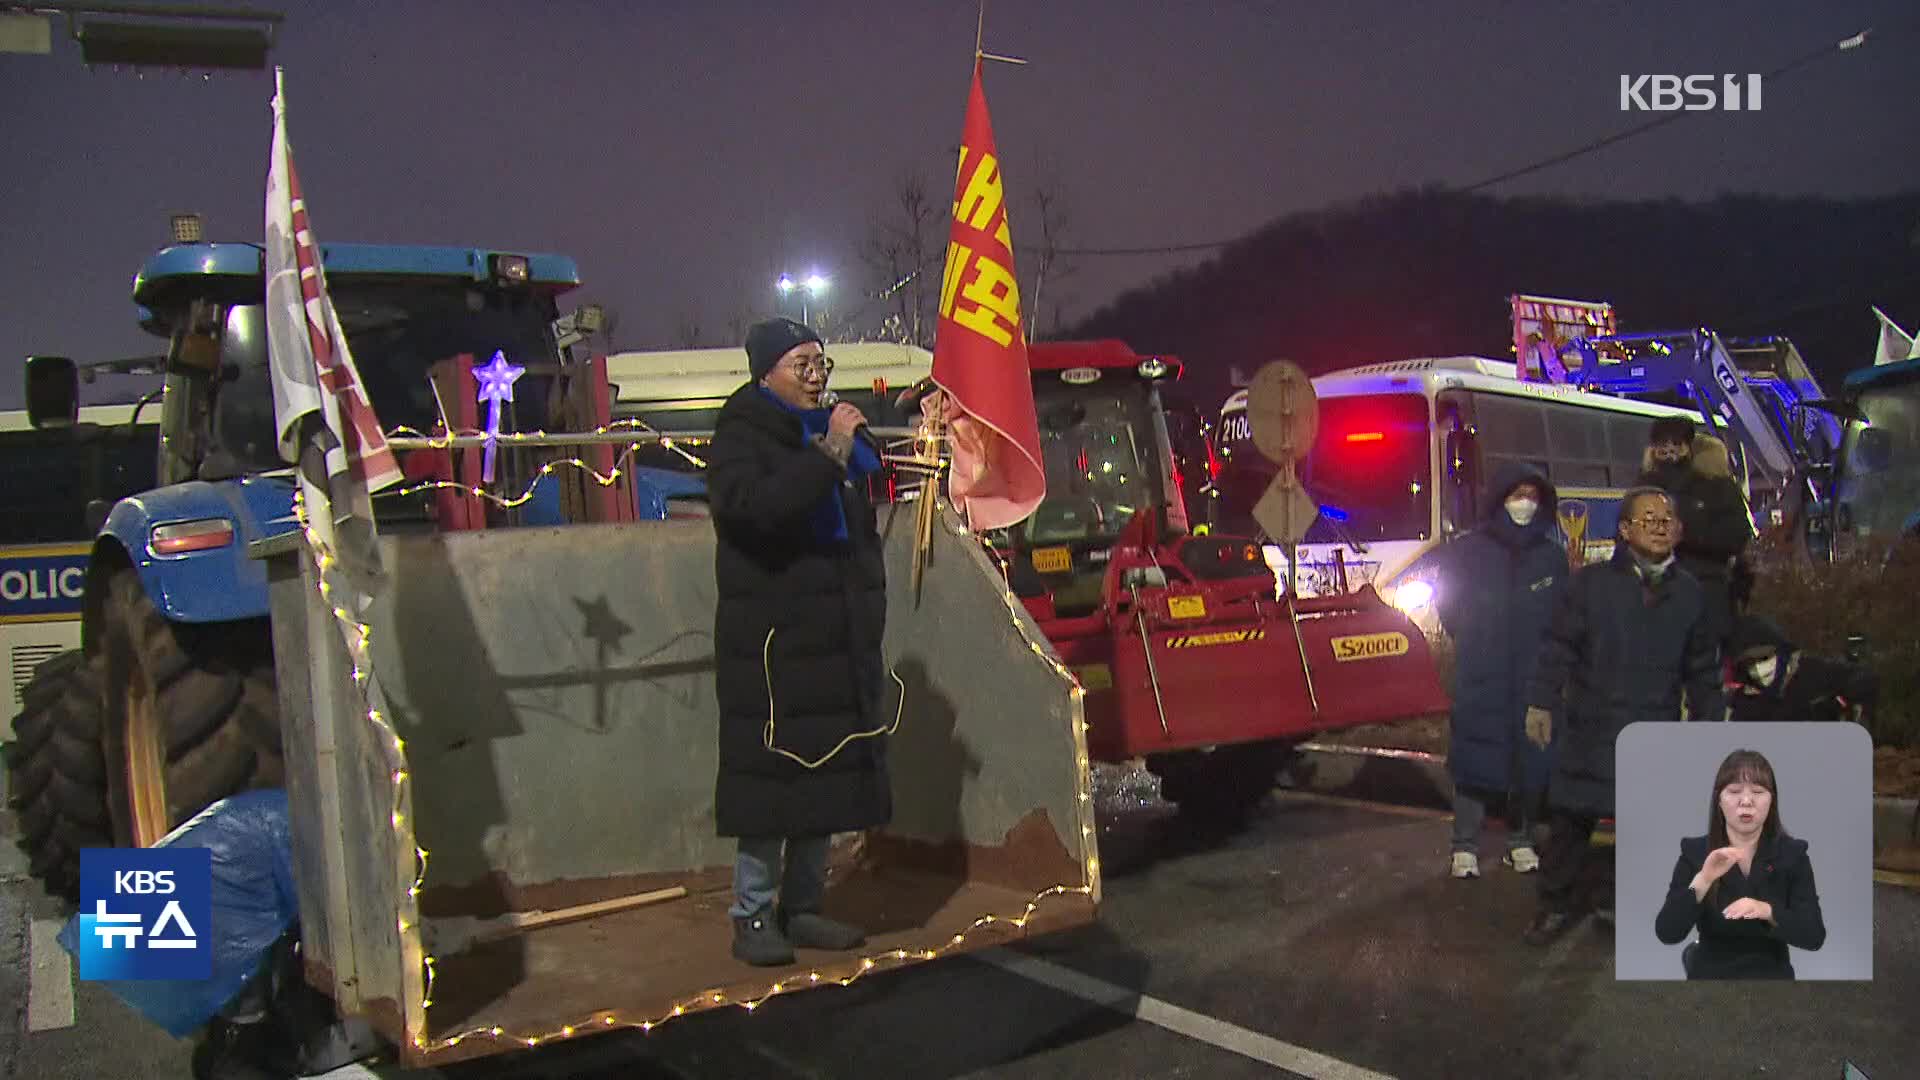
822	364
1648	521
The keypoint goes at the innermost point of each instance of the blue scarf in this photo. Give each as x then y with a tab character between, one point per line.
830	516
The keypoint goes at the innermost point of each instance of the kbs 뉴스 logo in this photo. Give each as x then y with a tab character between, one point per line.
146	913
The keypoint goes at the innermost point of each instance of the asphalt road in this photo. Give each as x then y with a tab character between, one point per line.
1322	941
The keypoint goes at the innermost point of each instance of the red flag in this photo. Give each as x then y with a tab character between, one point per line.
980	351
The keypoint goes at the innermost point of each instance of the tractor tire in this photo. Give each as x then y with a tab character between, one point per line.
56	779
191	714
1220	787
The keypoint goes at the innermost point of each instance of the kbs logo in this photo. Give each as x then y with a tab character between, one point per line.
145	914
1369	646
1691	93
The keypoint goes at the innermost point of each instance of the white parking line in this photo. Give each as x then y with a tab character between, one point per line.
1207	1029
49	978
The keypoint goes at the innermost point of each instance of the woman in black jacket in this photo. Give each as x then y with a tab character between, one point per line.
1746	886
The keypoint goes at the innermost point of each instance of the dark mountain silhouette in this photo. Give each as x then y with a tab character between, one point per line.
1428	273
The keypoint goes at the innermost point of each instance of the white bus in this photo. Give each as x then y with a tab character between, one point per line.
1404	451
55	486
682	390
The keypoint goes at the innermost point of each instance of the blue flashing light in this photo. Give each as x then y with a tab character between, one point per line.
1334	513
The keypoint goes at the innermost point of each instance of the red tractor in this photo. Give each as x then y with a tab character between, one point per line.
1190	655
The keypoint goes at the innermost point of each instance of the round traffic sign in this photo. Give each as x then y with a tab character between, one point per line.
1283	412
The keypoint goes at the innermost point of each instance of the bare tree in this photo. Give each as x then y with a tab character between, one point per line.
1050	227
902	250
686	332
609	330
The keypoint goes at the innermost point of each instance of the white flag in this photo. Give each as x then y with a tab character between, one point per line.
320	405
1895	344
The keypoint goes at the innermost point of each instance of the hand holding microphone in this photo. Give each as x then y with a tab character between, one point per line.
847	419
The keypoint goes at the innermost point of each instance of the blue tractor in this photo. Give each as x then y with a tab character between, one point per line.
171	704
1876	475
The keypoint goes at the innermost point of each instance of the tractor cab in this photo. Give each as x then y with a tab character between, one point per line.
1120	460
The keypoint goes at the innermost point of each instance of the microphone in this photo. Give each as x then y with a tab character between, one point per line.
828	399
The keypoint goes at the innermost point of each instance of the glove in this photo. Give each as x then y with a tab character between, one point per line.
1539	727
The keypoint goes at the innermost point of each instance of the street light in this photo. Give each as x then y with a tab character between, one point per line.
812	288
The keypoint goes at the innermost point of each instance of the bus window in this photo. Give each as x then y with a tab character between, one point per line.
1459	461
50	476
1370	469
1511	427
1626	443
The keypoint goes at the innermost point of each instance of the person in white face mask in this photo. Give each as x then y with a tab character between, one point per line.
1776	682
1496	593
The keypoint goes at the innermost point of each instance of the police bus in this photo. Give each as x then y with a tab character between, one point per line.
56	484
1404	452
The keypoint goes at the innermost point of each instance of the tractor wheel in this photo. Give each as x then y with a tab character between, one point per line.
1221	786
56	782
191	715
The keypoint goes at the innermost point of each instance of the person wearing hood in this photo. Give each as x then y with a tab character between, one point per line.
801	609
1630	635
1498	588
1716	524
1774	681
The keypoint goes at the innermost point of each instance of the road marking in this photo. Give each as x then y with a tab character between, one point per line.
49	978
1369	805
1207	1029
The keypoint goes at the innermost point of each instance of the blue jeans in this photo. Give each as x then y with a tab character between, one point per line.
1469	813
759	874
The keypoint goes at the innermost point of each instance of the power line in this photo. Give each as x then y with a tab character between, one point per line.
1845	45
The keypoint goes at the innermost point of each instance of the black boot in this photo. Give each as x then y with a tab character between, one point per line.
812	930
232	1051
759	942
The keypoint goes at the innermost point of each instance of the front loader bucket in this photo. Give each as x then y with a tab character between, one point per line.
553	694
1355	660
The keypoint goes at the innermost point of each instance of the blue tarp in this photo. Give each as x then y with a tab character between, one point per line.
254	902
651	489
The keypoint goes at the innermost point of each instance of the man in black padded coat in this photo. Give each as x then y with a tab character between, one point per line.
797	631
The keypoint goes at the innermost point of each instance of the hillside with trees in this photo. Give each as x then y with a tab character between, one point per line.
1428	273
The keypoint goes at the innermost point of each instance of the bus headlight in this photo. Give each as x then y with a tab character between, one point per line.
1413	597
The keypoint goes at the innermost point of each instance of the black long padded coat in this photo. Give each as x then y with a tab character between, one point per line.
1619	651
1499	587
797	633
1781	874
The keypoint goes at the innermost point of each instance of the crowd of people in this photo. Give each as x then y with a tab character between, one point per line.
1555	659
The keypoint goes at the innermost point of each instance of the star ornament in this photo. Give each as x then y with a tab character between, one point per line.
497	379
496	385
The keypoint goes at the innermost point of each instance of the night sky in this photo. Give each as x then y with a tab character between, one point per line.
688	151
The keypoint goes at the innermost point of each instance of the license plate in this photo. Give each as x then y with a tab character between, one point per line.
1052	560
1187	607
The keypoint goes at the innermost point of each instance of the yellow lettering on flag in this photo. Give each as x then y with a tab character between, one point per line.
958	256
981	198
995	314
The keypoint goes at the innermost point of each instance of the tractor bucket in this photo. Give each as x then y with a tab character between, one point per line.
528	854
1336	662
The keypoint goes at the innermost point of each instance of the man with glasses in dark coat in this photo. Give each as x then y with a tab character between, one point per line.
1629	636
797	631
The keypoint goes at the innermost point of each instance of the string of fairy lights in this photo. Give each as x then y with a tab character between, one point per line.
419	969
